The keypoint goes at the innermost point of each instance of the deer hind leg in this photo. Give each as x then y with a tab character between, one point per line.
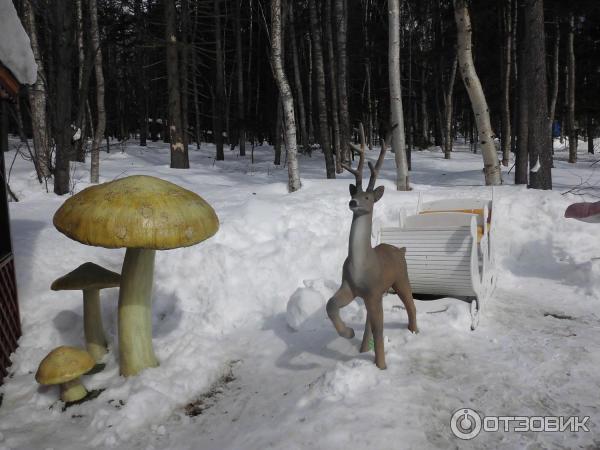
340	299
404	291
367	336
375	314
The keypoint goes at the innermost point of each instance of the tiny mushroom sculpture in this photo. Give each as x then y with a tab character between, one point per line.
142	214
586	212
64	365
90	278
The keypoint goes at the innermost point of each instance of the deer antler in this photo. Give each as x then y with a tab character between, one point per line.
375	169
361	161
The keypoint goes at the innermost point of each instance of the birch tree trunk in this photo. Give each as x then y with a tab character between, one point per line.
141	85
37	97
286	97
315	27
298	79
472	84
179	155
398	137
101	125
571	92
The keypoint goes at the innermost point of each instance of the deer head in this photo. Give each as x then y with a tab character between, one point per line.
362	201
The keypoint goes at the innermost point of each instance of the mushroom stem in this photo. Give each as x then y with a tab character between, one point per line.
73	390
95	339
135	312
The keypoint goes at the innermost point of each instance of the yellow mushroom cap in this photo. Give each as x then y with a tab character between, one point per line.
137	212
64	364
87	276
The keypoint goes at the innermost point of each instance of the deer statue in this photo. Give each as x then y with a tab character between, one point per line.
369	272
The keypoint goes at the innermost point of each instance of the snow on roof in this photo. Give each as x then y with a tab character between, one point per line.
15	48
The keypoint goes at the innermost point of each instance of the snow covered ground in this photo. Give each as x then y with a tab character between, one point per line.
221	328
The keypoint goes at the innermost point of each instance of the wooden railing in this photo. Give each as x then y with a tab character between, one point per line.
10	323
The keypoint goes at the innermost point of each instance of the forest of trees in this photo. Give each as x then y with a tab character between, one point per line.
301	75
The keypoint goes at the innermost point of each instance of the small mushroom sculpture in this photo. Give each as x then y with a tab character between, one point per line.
90	278
585	212
64	365
142	214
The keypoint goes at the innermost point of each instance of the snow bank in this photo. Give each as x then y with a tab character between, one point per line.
270	267
15	47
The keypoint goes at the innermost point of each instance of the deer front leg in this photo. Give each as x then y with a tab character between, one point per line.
375	314
367	336
340	299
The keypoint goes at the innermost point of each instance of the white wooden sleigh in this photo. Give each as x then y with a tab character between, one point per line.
449	249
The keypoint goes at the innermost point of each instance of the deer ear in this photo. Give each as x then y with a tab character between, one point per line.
352	190
379	192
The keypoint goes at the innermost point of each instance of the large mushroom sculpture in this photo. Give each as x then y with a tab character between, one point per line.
143	214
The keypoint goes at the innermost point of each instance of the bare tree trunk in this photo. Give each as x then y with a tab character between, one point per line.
521	158
298	79
515	91
101	125
398	144
141	85
448	109
179	154
287	99
184	72
278	133
3	127
37	97
538	141
219	85
472	84
571	92
555	71
315	27
370	126
63	38
80	143
506	71
309	119
341	19
424	114
337	146
590	132
240	79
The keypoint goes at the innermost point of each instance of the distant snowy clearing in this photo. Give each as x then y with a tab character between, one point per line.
241	332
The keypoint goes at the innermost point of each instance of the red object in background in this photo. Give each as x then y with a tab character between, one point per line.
586	212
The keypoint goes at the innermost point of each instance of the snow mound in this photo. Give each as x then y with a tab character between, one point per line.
15	48
306	306
345	380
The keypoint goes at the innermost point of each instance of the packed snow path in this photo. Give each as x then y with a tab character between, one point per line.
221	333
